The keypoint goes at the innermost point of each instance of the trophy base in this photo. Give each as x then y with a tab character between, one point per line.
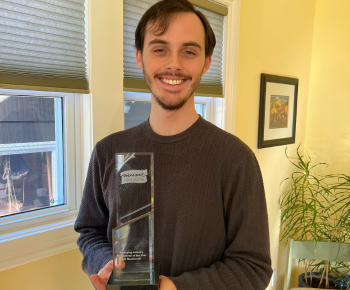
140	284
130	287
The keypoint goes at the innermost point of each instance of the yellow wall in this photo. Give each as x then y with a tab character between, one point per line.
54	273
327	137
275	38
328	122
106	66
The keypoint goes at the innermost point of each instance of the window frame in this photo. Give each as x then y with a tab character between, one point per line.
69	168
44	232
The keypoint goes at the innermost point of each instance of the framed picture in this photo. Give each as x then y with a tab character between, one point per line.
278	110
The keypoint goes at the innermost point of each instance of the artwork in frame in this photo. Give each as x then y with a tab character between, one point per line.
278	110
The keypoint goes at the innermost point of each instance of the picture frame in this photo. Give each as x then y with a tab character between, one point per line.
277	110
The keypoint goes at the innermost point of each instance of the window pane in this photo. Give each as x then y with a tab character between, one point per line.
200	109
26	119
136	112
31	156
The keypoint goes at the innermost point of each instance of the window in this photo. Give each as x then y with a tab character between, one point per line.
137	109
42	137
31	157
42	74
43	156
36	176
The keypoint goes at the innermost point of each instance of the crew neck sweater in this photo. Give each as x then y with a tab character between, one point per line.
211	224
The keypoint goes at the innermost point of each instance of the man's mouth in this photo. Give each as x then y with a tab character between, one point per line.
171	82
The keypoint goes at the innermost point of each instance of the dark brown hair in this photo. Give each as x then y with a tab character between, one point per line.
160	15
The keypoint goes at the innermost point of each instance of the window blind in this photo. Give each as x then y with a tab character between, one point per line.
43	45
211	82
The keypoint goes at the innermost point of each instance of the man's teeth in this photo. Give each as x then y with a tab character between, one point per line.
172	82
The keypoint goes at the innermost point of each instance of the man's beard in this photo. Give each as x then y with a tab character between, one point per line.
171	107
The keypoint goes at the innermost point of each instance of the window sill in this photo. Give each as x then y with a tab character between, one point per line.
27	244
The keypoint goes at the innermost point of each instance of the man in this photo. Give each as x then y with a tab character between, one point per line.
211	229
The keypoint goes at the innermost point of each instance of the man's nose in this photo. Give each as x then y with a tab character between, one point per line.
174	62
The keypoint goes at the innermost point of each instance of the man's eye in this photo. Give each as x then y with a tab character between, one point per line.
189	52
159	50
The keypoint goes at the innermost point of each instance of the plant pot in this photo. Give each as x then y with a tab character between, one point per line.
342	283
316	280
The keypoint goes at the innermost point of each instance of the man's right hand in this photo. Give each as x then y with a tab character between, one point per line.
101	278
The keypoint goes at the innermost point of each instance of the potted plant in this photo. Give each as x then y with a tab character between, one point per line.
316	207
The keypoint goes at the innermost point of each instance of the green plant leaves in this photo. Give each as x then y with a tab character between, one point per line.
315	207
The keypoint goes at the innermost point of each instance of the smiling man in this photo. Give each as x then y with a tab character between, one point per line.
211	227
173	54
174	62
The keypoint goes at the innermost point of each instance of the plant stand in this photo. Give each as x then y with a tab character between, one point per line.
311	250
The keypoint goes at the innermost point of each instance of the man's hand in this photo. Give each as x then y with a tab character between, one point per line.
166	284
101	278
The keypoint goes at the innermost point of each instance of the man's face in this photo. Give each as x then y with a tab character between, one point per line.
174	62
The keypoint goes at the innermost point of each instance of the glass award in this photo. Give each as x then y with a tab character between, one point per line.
133	236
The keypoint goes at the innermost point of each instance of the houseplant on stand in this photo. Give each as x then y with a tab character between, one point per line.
316	208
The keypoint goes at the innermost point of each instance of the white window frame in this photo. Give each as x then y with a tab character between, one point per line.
230	77
37	234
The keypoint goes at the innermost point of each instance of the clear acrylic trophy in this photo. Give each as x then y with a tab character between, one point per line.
133	237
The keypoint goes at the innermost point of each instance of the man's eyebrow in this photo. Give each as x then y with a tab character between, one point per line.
192	43
157	41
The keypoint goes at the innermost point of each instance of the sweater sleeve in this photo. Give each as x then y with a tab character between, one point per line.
245	263
92	220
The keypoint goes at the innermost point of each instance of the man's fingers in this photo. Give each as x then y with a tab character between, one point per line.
98	282
120	263
101	278
106	271
166	284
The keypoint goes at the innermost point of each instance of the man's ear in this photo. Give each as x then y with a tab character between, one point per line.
207	64
139	59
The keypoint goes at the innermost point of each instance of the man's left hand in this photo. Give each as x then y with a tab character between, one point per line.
166	284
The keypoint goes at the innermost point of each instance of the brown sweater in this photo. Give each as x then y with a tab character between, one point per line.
211	226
